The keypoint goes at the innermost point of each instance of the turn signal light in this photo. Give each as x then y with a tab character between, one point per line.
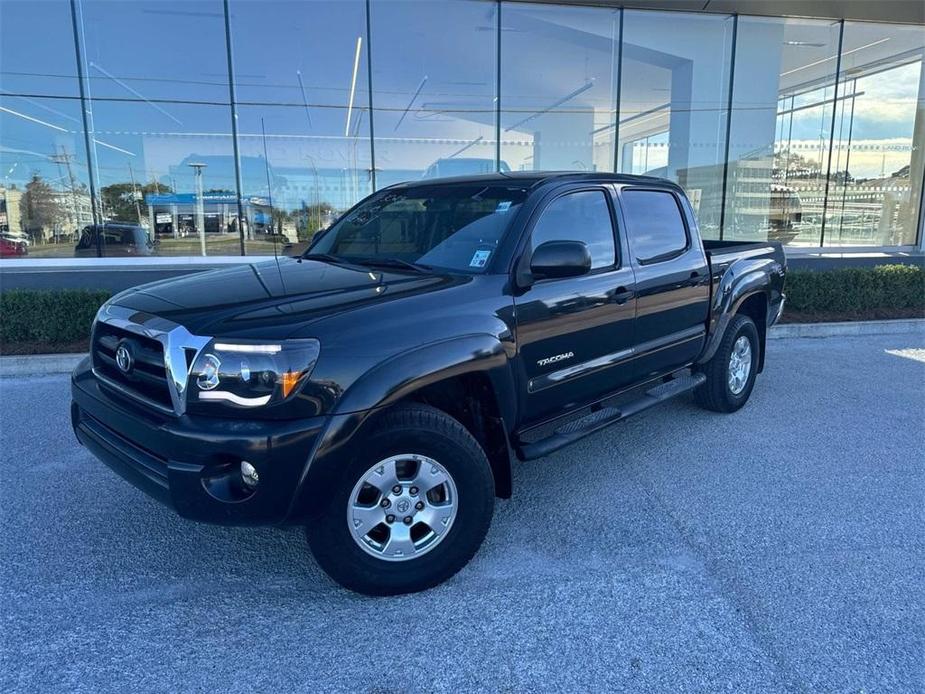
289	380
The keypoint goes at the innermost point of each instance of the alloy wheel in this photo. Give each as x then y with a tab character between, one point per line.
402	507
740	365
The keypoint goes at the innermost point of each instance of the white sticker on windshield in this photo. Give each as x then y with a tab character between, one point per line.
480	259
503	206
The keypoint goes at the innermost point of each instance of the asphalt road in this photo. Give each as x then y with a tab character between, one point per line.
780	548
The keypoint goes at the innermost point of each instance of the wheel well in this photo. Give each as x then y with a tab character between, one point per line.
470	399
756	308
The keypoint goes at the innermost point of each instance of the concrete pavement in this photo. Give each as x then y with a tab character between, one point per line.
780	548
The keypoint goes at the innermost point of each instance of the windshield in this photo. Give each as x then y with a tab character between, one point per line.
454	227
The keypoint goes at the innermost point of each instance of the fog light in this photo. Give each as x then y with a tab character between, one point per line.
249	474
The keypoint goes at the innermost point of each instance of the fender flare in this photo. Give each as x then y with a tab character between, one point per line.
393	379
387	383
737	285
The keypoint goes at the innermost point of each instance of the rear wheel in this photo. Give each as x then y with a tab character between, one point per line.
732	370
411	509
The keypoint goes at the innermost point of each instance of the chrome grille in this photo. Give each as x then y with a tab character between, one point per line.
147	378
163	354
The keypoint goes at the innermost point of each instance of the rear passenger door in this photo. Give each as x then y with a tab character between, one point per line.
575	334
672	279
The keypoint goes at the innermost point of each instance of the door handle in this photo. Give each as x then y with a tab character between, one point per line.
622	295
694	279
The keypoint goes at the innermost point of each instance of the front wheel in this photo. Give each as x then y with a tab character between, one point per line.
732	370
411	508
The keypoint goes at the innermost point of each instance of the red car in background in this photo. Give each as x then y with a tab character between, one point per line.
12	249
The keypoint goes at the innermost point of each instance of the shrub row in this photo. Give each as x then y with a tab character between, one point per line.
52	317
856	290
63	316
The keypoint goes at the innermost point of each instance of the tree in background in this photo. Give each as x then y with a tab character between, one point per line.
41	206
119	201
313	218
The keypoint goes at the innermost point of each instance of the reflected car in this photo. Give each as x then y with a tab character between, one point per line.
116	240
16	237
785	214
12	249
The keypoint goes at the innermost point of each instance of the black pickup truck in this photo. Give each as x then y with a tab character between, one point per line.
377	389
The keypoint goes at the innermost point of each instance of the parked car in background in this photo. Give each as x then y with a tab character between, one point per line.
116	240
12	248
378	389
785	214
16	237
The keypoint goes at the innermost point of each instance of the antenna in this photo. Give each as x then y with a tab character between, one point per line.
266	166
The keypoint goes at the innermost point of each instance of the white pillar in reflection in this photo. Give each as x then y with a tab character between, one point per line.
200	212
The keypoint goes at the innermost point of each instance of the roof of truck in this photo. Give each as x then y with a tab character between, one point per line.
534	178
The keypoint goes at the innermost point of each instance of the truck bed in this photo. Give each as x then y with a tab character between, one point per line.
742	263
723	253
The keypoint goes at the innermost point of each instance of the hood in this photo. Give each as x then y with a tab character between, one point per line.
272	301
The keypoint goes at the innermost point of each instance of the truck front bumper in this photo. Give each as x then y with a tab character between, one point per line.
192	464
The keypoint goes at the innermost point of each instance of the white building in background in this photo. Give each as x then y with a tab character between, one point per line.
76	212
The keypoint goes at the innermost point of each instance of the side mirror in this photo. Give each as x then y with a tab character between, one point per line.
560	259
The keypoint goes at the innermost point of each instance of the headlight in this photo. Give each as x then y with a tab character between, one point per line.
103	310
243	373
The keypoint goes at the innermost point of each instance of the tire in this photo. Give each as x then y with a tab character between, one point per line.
717	394
401	433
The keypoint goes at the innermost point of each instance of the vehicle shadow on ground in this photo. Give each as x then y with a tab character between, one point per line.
577	486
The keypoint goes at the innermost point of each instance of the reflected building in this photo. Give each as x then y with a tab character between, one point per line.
10	210
804	130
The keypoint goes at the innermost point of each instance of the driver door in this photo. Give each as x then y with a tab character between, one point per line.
576	334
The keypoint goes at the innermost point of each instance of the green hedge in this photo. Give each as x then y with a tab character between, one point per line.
52	317
40	320
856	290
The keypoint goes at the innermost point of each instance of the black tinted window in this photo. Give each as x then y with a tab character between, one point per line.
114	237
653	223
582	216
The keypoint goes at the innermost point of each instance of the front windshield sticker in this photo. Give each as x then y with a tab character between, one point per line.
480	259
503	206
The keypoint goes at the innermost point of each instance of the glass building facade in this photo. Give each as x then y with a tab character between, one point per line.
242	127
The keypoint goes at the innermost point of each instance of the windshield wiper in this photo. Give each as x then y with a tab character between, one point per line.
326	257
392	262
366	262
332	259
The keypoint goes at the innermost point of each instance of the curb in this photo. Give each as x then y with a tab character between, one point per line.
38	364
47	364
849	328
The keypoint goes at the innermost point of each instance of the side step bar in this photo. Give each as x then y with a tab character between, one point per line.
595	421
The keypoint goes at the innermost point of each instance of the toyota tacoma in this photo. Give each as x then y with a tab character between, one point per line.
378	388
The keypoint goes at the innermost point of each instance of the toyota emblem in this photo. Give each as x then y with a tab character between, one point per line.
125	360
